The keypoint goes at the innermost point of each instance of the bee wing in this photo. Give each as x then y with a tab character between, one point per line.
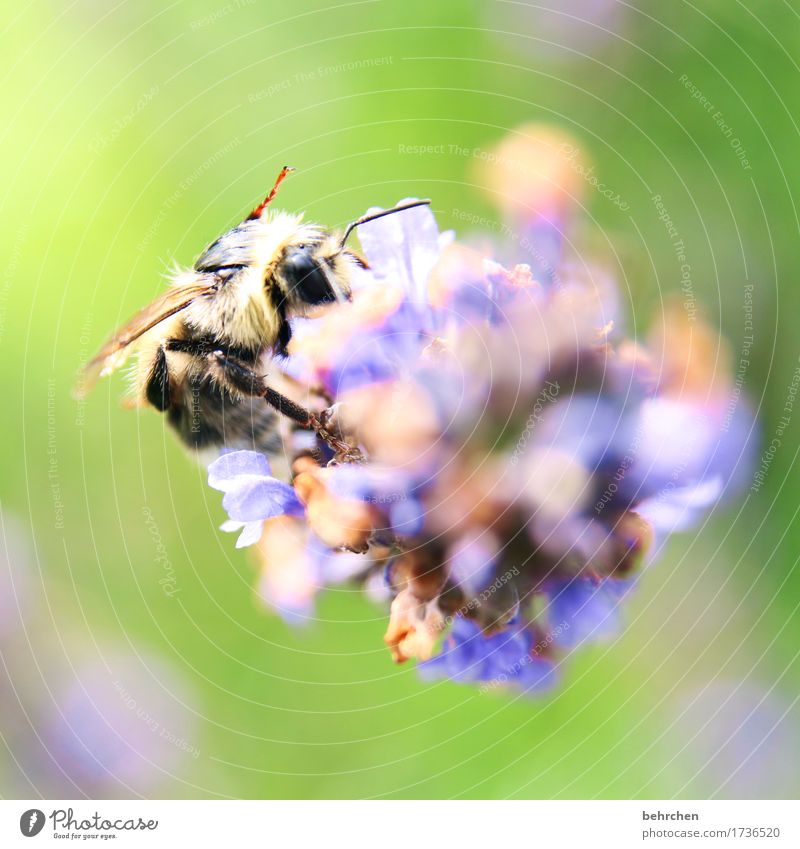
117	348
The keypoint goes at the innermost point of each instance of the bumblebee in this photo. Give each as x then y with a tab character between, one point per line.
207	344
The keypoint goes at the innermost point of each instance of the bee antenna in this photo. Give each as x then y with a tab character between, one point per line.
258	211
371	216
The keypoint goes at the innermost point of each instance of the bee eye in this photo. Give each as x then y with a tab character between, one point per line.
307	281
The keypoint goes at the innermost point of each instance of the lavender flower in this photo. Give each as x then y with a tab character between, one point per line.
506	658
251	493
117	727
522	459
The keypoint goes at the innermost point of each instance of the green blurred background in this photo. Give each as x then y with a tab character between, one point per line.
134	133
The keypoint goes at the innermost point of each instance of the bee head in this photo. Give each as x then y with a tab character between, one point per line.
271	267
312	274
312	267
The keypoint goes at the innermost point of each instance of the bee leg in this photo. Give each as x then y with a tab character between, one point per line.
284	328
157	387
245	380
284	337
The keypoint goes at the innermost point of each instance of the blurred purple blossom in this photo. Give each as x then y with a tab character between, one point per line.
116	727
507	658
523	459
564	31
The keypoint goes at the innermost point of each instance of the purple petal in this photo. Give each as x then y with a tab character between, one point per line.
407	516
253	498
676	440
678	509
589	427
351	482
472	559
250	535
225	469
581	611
503	659
403	248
